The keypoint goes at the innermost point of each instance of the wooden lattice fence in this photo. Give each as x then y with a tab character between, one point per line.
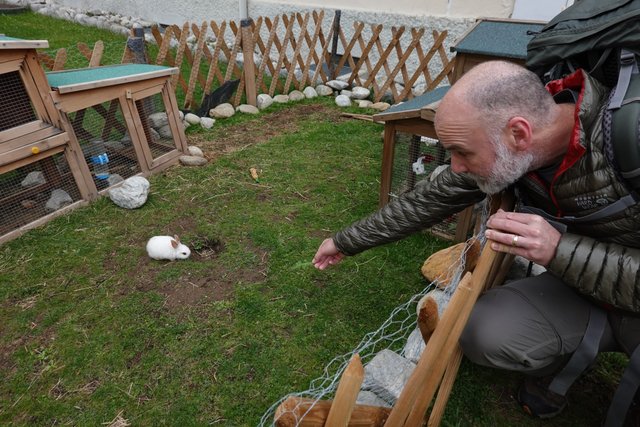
294	51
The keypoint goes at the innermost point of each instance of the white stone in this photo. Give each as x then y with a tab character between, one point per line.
414	346
155	136
195	151
343	101
191	118
264	100
114	179
281	99
114	145
59	199
365	103
346	93
324	90
366	397
380	106
418	90
386	374
158	119
33	178
207	122
222	111
309	92
192	160
131	194
165	132
360	92
247	109
337	84
296	95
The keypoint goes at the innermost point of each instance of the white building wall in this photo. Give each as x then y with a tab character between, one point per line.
179	11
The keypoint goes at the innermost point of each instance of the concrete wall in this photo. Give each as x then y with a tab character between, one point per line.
177	12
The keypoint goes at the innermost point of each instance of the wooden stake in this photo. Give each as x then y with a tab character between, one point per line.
248	65
445	388
347	393
304	412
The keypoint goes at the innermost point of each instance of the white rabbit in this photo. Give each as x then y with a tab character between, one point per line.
167	247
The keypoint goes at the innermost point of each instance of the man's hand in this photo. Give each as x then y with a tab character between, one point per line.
326	255
527	235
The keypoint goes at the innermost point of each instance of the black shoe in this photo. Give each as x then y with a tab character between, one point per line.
538	401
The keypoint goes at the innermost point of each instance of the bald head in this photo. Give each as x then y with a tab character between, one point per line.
496	91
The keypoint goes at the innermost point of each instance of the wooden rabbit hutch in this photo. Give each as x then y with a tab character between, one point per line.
66	136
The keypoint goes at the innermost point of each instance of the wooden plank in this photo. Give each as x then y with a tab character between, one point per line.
399	54
177	129
24	44
36	82
195	66
317	19
231	65
346	55
182	46
26	135
424	60
294	44
77	163
444	391
303	412
388	152
364	59
348	388
296	53
323	58
402	62
382	62
282	49
41	221
249	67
256	28
9	163
266	52
75	101
96	54
164	43
61	58
214	71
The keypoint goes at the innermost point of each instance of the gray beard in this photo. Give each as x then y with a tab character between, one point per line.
507	169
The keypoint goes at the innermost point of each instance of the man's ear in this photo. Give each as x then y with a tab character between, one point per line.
520	132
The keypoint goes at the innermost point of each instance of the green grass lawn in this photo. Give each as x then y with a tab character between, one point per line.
91	329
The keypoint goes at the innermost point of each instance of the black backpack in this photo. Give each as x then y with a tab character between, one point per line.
603	38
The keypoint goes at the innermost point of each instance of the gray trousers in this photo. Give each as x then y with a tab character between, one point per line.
533	326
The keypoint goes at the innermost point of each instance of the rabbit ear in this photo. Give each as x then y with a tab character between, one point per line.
175	242
177	239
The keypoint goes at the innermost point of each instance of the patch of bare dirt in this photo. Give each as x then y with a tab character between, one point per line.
253	132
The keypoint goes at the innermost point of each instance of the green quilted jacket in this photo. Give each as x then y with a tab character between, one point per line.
600	258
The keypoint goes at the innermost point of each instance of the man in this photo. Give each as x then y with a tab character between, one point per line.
503	128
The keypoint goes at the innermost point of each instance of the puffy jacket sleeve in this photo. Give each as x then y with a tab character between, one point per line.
608	272
429	203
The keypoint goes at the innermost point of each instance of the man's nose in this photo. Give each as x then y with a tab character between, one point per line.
457	165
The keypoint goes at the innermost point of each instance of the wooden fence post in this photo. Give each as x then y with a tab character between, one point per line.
248	64
334	45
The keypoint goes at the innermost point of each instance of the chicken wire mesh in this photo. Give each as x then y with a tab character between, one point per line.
393	336
106	144
155	123
31	192
416	158
16	108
